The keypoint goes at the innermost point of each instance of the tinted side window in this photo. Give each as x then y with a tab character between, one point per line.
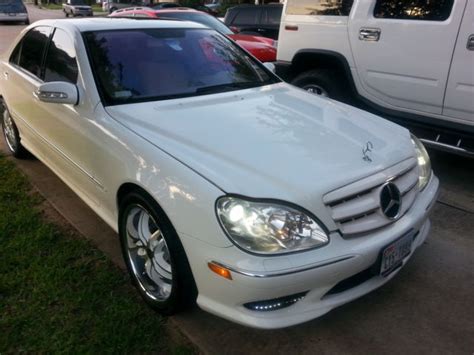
61	62
319	7
32	49
427	10
247	17
272	15
15	57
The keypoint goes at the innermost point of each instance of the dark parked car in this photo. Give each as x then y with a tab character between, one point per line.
257	20
165	5
13	11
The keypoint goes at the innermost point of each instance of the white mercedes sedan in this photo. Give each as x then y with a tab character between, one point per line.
228	188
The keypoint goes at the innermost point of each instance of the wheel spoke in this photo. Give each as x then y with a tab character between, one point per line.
162	267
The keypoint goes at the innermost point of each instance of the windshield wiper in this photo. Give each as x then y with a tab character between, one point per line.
228	87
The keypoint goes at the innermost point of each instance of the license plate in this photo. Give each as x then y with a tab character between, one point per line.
393	255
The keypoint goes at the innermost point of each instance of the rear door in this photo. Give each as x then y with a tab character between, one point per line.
459	101
403	49
23	76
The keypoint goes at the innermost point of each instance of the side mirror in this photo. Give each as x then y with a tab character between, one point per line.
270	66
57	92
234	29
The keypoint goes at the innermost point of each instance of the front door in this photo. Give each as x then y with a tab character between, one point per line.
69	129
459	101
403	49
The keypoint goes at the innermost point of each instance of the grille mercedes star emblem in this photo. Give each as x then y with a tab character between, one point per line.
390	200
366	150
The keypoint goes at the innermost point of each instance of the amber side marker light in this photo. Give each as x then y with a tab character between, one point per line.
220	270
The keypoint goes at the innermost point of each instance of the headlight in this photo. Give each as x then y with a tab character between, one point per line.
424	162
267	227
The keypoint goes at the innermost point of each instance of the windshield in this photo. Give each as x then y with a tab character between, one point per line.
77	2
204	19
158	64
12	6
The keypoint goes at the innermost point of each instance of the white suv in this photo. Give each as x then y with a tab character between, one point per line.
410	60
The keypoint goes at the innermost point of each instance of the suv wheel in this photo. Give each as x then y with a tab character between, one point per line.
154	255
322	82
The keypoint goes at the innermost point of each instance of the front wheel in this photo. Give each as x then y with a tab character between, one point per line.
12	136
322	82
154	255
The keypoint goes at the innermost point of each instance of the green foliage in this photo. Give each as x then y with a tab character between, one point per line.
60	294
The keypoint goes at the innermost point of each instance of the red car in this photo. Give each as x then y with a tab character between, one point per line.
264	49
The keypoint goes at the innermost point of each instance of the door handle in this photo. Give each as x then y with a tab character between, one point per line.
369	34
470	43
5	75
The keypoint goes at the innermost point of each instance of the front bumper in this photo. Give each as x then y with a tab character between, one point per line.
315	272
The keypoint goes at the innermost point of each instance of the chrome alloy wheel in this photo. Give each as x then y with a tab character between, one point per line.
316	90
148	254
9	131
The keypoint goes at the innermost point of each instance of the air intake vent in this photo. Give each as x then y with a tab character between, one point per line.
275	304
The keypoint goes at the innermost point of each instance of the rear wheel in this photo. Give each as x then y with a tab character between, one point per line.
11	135
154	255
322	82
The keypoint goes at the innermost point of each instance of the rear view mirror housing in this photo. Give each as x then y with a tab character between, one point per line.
58	92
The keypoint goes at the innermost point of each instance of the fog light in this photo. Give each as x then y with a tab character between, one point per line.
275	304
220	270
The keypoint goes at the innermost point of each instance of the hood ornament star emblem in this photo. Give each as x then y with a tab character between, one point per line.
366	150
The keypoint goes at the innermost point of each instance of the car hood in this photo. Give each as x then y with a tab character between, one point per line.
267	42
271	142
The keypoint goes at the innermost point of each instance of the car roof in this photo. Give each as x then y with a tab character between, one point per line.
115	23
256	7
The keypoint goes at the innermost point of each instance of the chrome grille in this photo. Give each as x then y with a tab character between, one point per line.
356	207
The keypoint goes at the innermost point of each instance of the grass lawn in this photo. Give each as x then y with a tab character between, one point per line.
60	294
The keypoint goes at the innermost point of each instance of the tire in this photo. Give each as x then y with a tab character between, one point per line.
323	82
11	134
27	22
112	10
162	252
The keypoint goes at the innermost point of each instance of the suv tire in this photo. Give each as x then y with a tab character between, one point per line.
323	82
